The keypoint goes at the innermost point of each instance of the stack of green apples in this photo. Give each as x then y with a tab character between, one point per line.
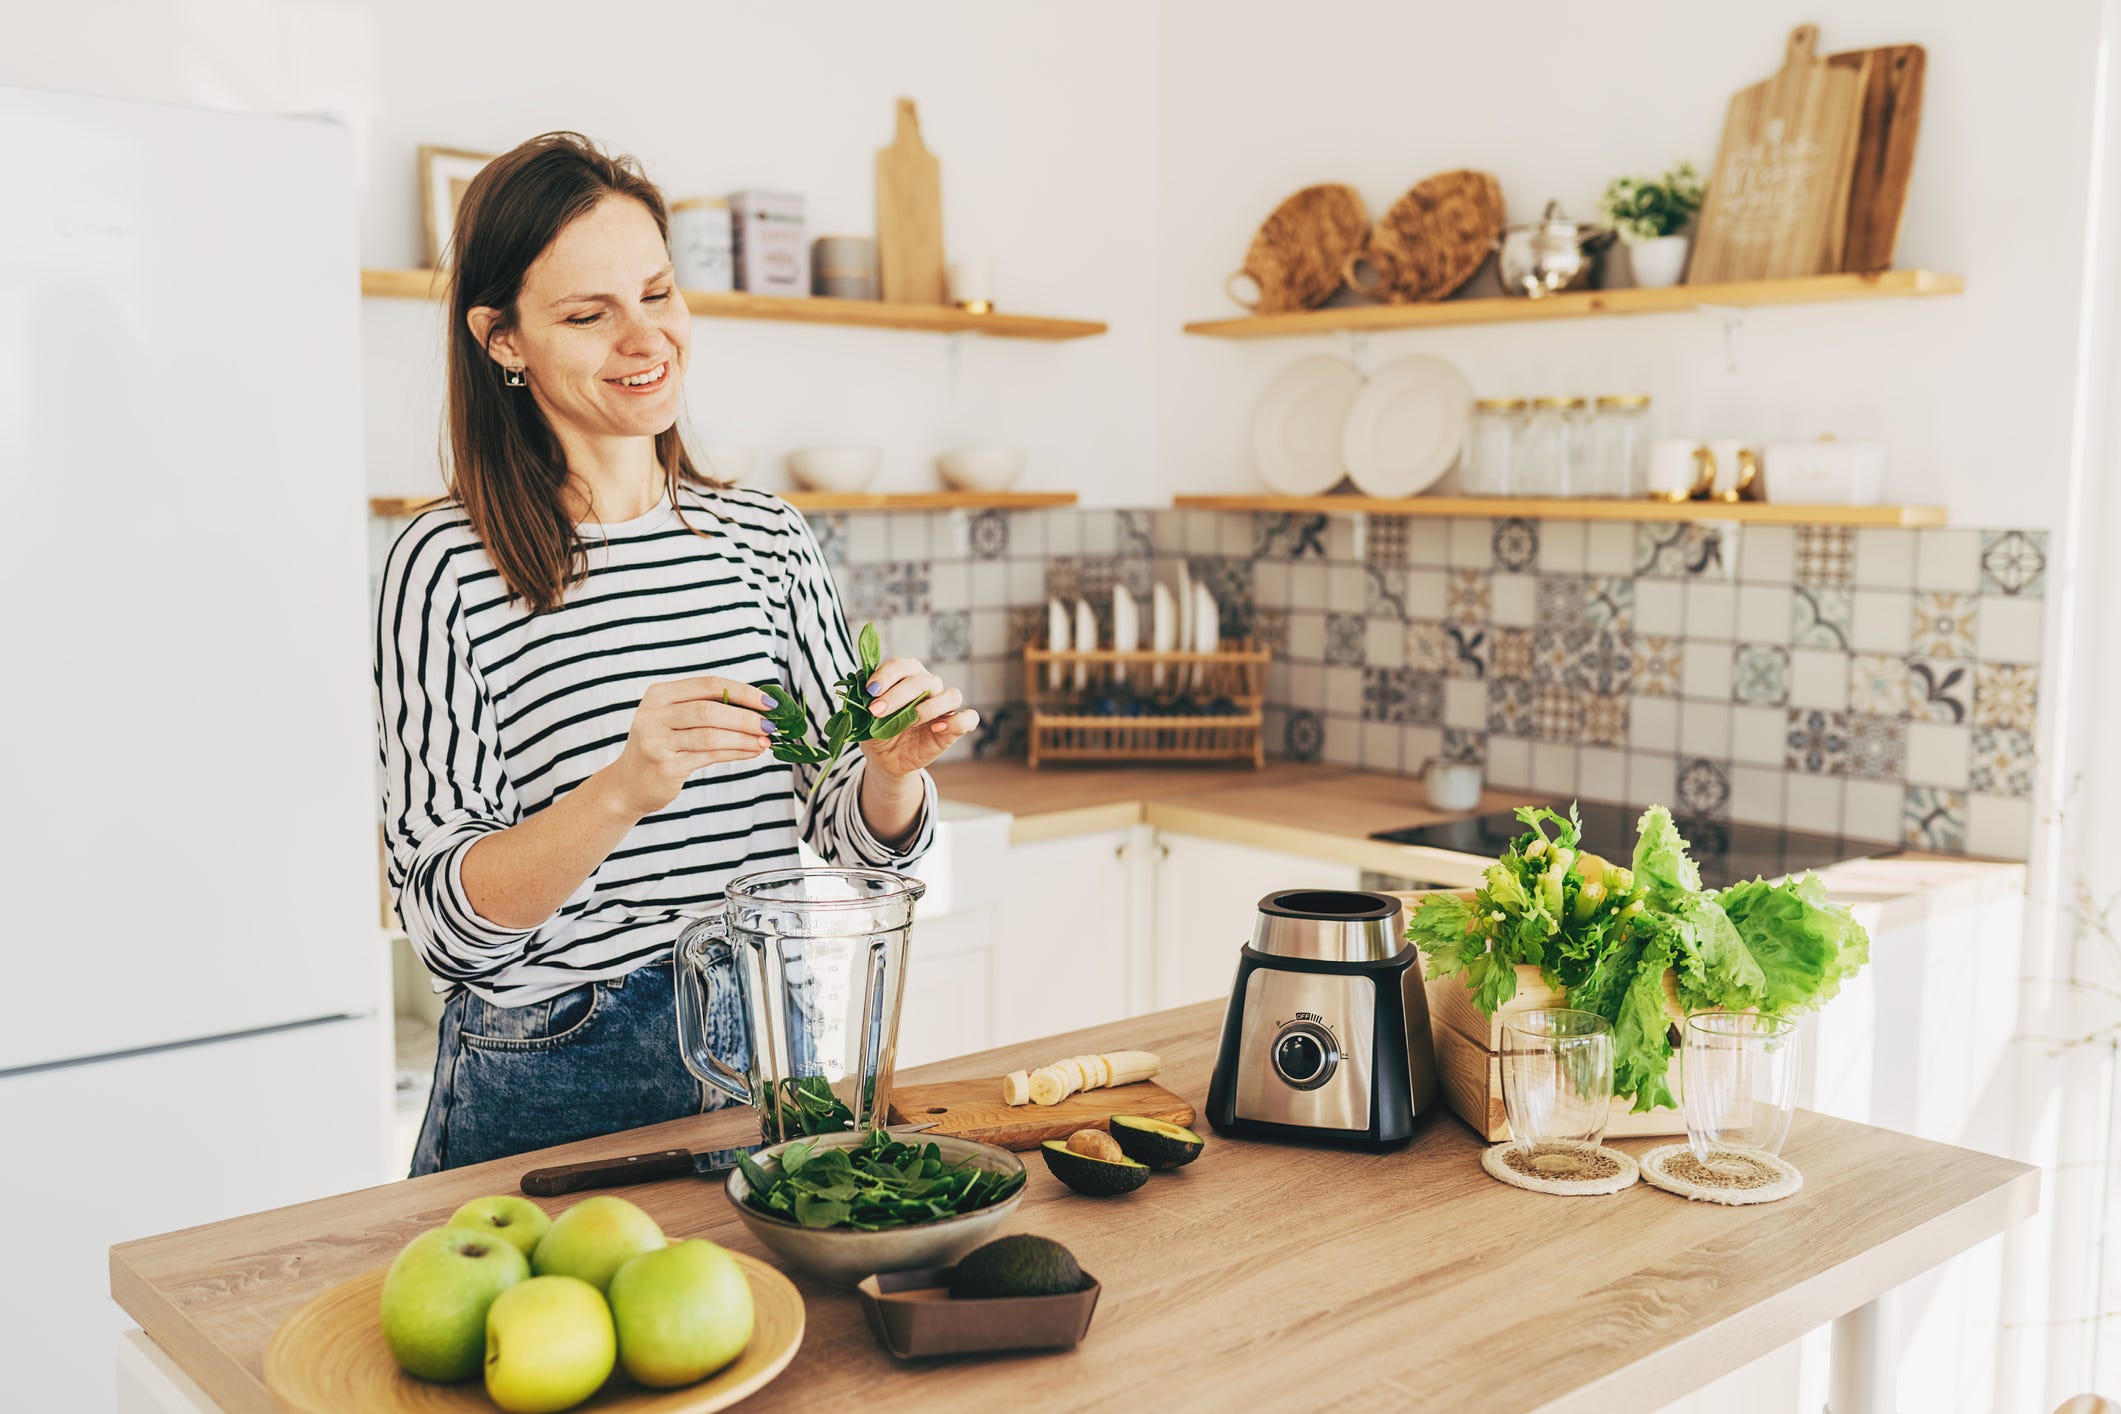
548	1307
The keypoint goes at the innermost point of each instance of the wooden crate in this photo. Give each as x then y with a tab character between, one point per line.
1057	685
1469	1051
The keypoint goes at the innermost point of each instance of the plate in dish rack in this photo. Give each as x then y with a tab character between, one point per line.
329	1357
1296	425
1406	427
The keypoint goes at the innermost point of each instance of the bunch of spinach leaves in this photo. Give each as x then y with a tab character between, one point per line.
870	1186
853	722
808	1106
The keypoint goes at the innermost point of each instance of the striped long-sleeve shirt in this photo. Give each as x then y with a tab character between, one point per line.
486	714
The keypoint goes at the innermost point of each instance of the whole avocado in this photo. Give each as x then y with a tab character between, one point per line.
1018	1265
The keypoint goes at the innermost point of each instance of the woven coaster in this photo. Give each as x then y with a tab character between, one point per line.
1762	1178
1610	1172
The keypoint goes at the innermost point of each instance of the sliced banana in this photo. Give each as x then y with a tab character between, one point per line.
1016	1088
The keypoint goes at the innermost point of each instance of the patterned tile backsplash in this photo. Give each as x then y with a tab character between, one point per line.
1880	683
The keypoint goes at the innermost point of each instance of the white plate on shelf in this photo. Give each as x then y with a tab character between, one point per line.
1085	640
1296	425
1056	639
1207	626
1163	626
1405	429
1126	628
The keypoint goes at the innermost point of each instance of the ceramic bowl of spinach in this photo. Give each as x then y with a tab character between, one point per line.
846	1206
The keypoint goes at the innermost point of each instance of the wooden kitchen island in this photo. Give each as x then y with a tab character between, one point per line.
1262	1276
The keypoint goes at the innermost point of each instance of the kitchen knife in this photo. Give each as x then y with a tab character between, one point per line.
646	1168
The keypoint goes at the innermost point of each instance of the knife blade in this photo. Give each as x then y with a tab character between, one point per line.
647	1168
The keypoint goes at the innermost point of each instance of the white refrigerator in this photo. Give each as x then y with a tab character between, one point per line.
195	1020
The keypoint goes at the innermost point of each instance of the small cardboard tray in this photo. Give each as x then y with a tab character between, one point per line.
913	1314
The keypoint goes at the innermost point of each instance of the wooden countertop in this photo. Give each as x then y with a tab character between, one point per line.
1325	812
1392	1279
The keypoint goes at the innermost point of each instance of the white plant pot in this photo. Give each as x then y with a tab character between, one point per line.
1658	262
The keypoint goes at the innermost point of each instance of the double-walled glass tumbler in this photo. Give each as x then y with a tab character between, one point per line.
1557	1086
1738	1082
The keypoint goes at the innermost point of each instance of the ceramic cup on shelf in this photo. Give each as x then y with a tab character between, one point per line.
1451	785
1679	470
1732	472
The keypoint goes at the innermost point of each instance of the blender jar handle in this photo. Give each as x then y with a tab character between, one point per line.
702	950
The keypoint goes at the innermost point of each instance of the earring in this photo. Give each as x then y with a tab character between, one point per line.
513	376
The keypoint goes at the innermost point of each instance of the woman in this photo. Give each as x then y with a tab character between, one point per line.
574	754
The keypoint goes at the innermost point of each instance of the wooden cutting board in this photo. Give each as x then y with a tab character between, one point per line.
973	1109
909	216
1778	199
1890	82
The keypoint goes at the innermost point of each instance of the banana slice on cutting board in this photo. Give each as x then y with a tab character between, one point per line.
1050	1084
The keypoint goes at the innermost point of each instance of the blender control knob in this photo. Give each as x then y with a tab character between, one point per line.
1305	1055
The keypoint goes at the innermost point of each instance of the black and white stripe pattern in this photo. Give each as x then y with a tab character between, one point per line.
486	714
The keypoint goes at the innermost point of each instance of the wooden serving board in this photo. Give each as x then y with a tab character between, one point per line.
973	1109
909	216
1890	82
329	1357
1777	203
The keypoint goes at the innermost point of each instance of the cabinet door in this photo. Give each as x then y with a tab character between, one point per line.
945	1011
1207	896
1063	959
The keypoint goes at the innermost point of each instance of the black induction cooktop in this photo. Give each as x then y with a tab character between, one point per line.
1725	852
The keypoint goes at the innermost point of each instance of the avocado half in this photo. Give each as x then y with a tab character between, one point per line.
1100	1178
1155	1142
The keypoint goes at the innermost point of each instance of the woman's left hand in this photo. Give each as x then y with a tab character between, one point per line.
941	717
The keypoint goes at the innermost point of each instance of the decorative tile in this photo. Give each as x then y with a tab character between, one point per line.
2014	562
1605	720
890	590
1668	550
1704	790
1826	555
1003	731
1878	684
1934	818
1283	536
1428	651
1384	591
988	534
1027	626
1605	666
1557	712
1510	653
1760	674
1609	604
1344	639
1468	747
1271	628
2006	695
1821	616
1466	596
1554	652
950	636
1818	742
1657	664
2000	762
1133	535
1560	601
1399	695
830	528
1938	690
1304	738
1384	540
1510	706
1877	747
1516	544
1228	579
1943	625
1466	650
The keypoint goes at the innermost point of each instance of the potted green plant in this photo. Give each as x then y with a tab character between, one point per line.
1651	214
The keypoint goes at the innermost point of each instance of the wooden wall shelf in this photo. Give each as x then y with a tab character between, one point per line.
1540	508
398	506
855	313
1375	318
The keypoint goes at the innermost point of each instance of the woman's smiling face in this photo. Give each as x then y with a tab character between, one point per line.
602	333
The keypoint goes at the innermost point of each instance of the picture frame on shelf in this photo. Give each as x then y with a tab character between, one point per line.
445	173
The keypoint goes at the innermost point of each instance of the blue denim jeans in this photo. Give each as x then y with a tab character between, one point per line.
595	1060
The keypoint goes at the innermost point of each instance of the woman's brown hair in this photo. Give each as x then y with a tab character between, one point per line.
505	464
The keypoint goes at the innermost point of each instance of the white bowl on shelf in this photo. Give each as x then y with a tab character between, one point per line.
983	468
840	469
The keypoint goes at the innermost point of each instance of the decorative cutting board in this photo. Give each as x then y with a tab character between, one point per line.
329	1357
1890	81
973	1109
909	216
1777	203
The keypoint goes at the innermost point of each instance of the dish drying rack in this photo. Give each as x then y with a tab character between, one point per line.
1151	691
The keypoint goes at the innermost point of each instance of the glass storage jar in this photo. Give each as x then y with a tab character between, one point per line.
1542	466
1617	466
1491	446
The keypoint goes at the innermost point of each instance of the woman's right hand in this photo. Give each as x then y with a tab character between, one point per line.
679	727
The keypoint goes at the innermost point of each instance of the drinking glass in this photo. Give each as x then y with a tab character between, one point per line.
1738	1084
1557	1086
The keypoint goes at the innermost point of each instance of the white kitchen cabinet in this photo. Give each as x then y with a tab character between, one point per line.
1207	897
1068	956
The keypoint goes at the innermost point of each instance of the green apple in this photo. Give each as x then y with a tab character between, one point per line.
549	1345
682	1313
593	1238
435	1298
505	1215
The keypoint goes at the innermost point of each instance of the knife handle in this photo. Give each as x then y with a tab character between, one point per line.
607	1173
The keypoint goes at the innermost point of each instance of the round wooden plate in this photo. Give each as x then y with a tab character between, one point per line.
329	1357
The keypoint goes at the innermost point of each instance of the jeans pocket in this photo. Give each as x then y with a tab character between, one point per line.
542	1026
